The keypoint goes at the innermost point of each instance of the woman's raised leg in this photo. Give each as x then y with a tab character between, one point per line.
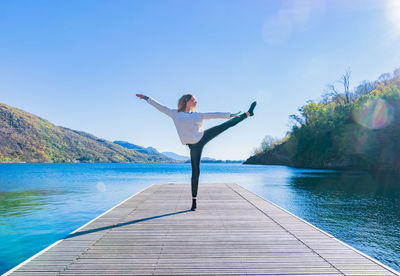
211	133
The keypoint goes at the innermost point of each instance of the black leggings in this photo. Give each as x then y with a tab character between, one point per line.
196	149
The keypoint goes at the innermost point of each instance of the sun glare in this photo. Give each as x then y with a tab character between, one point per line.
392	13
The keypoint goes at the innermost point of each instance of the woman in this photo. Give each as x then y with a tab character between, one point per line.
189	127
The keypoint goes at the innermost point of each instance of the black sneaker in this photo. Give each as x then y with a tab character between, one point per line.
251	109
194	205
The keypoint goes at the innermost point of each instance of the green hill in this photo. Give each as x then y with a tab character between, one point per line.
357	129
27	138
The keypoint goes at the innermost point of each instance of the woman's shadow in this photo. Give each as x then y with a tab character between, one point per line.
79	233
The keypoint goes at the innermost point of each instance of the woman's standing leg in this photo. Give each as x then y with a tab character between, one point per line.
195	158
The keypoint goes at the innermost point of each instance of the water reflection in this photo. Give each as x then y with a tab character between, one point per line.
360	208
22	203
349	183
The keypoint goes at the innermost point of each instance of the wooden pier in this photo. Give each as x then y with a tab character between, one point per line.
233	232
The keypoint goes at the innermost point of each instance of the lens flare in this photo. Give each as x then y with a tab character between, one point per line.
374	114
101	187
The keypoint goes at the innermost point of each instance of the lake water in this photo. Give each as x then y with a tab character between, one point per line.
42	203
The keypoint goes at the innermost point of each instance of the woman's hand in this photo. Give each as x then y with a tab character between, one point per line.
141	96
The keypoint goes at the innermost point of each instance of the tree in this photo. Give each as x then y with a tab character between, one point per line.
396	73
346	84
384	78
296	120
332	94
364	88
267	143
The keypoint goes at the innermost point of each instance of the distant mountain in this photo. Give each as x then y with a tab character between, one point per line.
211	160
203	159
208	159
148	151
128	145
169	155
151	149
28	138
176	156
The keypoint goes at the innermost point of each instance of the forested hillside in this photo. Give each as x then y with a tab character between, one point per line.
27	138
357	129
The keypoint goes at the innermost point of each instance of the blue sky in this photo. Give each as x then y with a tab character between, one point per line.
79	64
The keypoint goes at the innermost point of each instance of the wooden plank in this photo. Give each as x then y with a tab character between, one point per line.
233	232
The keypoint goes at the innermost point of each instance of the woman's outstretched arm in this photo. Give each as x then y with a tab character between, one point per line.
164	109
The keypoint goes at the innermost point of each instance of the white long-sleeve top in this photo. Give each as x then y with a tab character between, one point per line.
189	125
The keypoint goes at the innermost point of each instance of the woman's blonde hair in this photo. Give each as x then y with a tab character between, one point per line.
183	102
